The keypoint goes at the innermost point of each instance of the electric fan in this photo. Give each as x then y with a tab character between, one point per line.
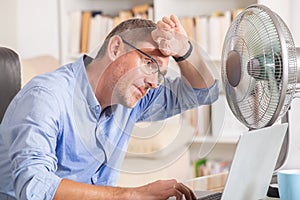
259	69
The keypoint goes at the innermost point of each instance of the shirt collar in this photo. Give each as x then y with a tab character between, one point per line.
84	85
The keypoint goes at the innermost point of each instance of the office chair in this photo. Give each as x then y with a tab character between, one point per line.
10	77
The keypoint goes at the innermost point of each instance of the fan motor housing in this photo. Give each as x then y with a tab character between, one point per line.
233	68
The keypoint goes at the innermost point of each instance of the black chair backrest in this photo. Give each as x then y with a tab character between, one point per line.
10	77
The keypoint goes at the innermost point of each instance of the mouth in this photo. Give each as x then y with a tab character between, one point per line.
142	91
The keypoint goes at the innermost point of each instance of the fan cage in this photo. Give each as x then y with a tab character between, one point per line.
292	65
268	67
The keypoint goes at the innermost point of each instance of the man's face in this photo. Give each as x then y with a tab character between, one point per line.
133	77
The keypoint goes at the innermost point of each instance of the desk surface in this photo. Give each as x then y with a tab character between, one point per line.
212	183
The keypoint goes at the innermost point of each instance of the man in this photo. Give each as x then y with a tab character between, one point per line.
65	134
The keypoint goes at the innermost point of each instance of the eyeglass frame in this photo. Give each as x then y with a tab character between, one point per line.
160	81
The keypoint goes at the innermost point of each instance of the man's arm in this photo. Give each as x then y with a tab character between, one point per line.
195	70
163	189
173	41
69	189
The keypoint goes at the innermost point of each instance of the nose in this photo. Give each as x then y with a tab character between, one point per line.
152	80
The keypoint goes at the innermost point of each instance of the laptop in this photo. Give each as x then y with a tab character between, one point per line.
252	166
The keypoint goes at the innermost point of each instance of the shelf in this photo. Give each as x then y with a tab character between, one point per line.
187	8
196	7
219	140
213	148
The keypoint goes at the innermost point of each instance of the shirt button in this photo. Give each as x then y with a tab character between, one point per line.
97	109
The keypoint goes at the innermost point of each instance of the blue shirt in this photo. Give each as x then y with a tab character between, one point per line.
55	128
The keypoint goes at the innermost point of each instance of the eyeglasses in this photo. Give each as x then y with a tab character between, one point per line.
151	66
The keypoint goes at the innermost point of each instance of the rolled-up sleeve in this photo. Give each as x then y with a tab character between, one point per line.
33	134
209	95
41	186
173	98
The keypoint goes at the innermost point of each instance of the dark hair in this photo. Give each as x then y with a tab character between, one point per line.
132	30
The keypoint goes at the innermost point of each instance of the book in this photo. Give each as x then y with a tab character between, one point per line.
140	11
201	31
122	16
188	25
151	13
100	26
236	12
74	32
218	25
85	26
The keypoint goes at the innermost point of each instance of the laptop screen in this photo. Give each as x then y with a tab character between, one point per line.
254	163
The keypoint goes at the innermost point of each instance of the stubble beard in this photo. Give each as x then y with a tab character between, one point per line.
125	96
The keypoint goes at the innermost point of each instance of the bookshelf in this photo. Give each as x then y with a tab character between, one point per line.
107	7
183	9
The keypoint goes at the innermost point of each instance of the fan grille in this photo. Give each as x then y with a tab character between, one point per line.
268	67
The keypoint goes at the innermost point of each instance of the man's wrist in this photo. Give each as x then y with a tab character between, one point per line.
186	55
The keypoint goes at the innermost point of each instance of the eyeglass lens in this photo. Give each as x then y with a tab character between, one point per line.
152	67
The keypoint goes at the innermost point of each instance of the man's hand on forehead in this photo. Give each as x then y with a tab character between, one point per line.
170	36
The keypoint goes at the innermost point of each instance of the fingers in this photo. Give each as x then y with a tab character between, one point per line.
184	190
177	193
170	36
171	22
168	22
164	189
175	20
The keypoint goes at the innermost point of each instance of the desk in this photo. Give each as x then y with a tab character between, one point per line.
208	183
212	183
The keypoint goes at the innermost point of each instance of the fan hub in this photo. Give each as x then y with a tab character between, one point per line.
233	68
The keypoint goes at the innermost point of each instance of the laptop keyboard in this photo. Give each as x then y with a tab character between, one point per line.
213	196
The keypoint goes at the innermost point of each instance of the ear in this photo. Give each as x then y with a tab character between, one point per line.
115	47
